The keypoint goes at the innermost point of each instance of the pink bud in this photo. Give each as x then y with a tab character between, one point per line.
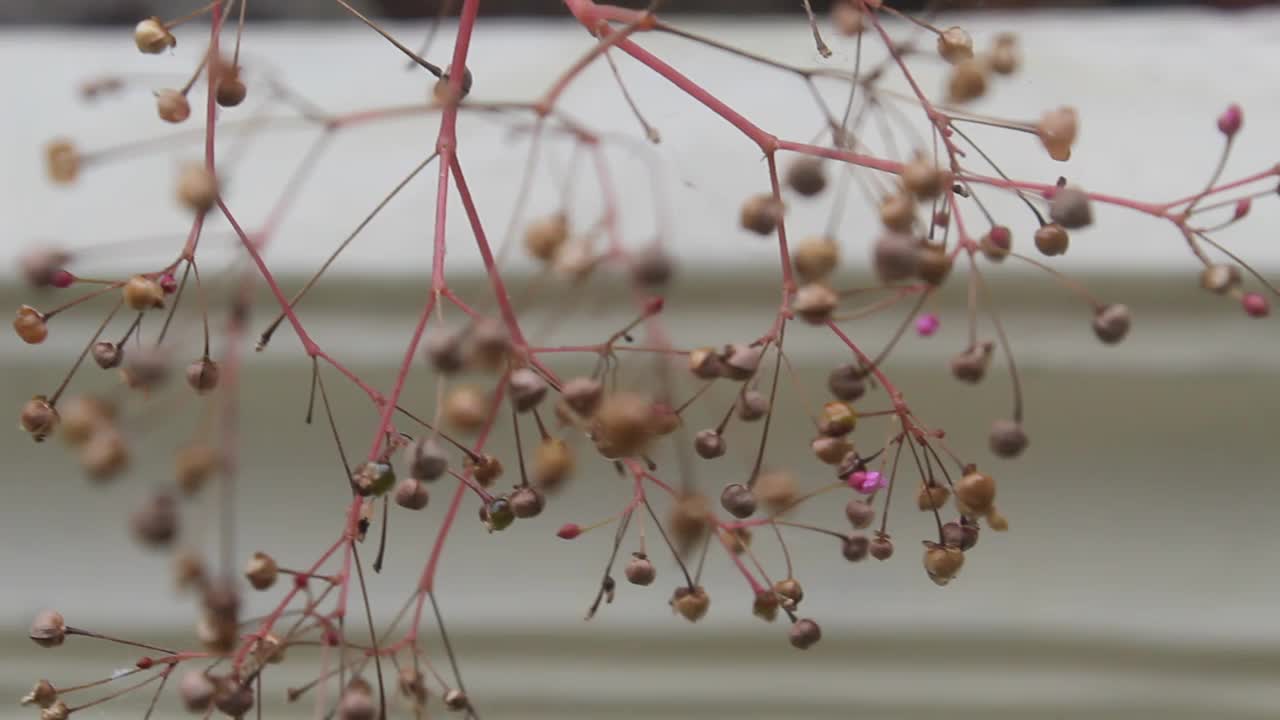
927	324
1242	207
654	305
865	481
1255	304
569	531
61	279
168	283
1001	237
1230	120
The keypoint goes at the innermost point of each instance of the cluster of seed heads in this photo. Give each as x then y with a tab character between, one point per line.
867	439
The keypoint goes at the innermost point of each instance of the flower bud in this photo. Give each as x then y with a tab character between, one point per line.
41	266
1007	438
1255	305
30	325
997	243
1111	323
738	500
152	37
261	571
761	214
815	257
48	629
805	175
1070	207
544	238
955	45
1230	120
202	375
39	418
172	106
640	570
804	634
527	389
709	444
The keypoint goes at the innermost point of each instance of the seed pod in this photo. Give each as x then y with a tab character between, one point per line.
232	698
790	592
217	635
373	479
231	90
147	368
941	562
971	365
751	406
42	694
261	571
412	684
815	257
582	395
855	547
62	161
933	264
143	293
814	303
445	351
202	375
193	466
923	179
411	493
196	691
709	444
932	497
497	514
652	267
846	382
830	450
1111	323
1007	438
197	188
1255	305
898	212
738	500
155	523
552	464
963	536
837	419
466	408
804	634
996	243
968	81
860	513
624	424
107	354
1070	207
172	106
1220	278
765	605
82	416
356	705
1005	58
39	418
456	700
527	502
740	362
691	603
805	175
490	342
48	629
425	458
485	469
188	569
847	18
881	547
975	494
776	489
544	238
30	325
57	711
689	519
640	570
105	455
152	37
527	389
705	363
997	521
896	257
1057	131
41	265
761	214
955	45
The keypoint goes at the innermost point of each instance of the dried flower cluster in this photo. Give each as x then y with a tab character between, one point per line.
867	440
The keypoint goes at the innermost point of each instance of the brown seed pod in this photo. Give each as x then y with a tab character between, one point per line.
941	562
971	365
997	521
1111	323
152	37
847	382
847	18
881	547
855	548
490	343
761	214
1005	57
896	257
105	455
39	418
188	569
738	500
232	698
996	243
143	293
1219	279
485	469
172	106
751	406
806	176
1007	438
48	629
652	267
776	489
155	522
963	536
231	89
690	519
356	705
202	375
923	179
456	700
426	460
543	238
445	350
197	188
709	444
552	464
705	363
955	45
968	81
30	325
412	684
932	497
42	694
691	603
765	605
1057	131
147	368
583	394
62	161
1070	207
860	513
193	466
527	389
898	212
814	258
804	634
107	355
82	416
640	570
736	540
624	423
57	711
217	635
527	502
790	592
261	571
411	493
837	419
975	494
830	450
814	303
466	408
740	362
933	264
196	690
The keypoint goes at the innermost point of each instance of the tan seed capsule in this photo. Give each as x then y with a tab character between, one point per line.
860	513
527	389
490	343
761	214
997	521
42	694
624	423
42	265
62	161
412	684
790	591
971	365
765	605
968	81
544	238
1052	239
39	418
172	106
152	37
975	494
1057	131
690	519
1005	59
837	419
855	548
466	408
815	257
933	264
193	466
776	489
143	293
709	444
814	303
705	363
356	705
552	464
738	500
923	179
881	547
197	188
1219	279
830	450
806	176
261	571
932	497
955	45
30	325
691	603
847	382
640	570
231	89
942	562
751	406
896	257
456	700
105	455
804	634
1007	438
740	362
57	711
898	211
48	629
527	502
107	355
1111	323
82	416
652	267
202	375
196	690
155	523
233	698
485	469
847	18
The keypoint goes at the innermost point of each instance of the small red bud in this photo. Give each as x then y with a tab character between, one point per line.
145	663
569	531
1230	120
1256	305
168	283
654	305
61	279
1243	205
300	581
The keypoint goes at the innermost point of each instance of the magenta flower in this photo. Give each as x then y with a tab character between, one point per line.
865	481
927	324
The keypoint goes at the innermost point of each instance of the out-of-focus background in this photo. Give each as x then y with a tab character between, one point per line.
1137	580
